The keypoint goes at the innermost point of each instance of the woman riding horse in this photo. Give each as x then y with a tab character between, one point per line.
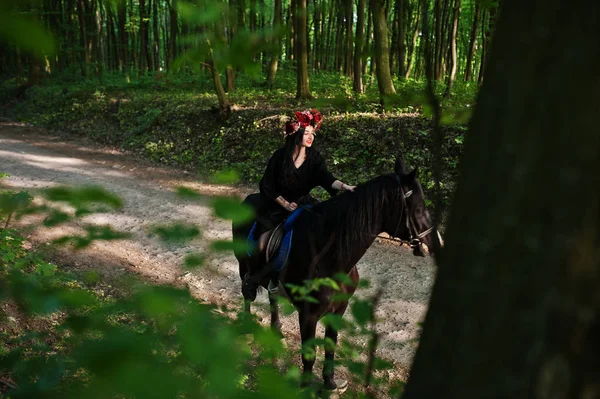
292	172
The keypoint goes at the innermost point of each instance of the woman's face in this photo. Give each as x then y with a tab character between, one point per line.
309	136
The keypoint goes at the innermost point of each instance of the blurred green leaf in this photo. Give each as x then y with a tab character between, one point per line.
188	193
229	176
27	34
229	208
225	245
193	261
362	312
55	218
81	197
177	232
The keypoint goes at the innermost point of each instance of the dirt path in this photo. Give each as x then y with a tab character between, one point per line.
36	159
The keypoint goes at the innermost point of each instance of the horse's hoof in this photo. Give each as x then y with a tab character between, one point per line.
338	385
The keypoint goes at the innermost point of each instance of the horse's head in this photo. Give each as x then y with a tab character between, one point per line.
414	224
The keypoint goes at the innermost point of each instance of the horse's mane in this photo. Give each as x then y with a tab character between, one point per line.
352	217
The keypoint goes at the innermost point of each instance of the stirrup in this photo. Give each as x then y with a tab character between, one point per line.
273	287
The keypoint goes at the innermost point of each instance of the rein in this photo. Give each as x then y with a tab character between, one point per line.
415	238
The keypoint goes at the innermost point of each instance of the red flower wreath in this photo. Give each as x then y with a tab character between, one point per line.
304	118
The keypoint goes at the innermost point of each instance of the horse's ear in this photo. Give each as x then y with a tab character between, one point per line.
399	167
412	176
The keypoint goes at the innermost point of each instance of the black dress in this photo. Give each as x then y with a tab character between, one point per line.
296	188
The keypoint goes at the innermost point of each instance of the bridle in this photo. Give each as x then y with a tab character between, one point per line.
415	236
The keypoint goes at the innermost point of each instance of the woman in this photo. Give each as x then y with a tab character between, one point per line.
292	172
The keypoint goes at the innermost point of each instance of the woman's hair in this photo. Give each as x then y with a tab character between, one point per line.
292	142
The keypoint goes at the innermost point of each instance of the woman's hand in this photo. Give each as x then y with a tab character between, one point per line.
291	206
346	187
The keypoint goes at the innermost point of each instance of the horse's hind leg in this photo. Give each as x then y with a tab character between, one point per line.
308	326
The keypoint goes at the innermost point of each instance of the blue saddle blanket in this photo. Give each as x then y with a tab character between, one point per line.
280	260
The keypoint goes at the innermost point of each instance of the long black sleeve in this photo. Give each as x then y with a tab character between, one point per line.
268	184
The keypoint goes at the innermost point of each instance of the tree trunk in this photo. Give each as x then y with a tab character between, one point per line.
155	36
349	36
453	60
174	28
85	56
122	21
133	41
358	51
224	105
367	45
437	12
100	44
382	51
318	36
277	45
253	24
302	86
484	45
291	48
402	39
514	311
229	72
413	42
114	42
339	38
472	43
395	36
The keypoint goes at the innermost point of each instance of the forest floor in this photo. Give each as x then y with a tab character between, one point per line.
35	159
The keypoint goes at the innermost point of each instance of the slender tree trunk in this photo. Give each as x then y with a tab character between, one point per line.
156	35
339	38
253	24
358	51
224	105
454	60
367	46
437	11
145	60
100	44
114	42
484	45
229	72
318	36
395	37
291	48
472	42
277	45
402	39
302	88
328	51
525	322
122	21
85	55
173	26
349	36
133	40
382	51
413	42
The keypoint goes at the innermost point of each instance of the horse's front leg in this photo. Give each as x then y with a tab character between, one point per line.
308	326
275	323
328	367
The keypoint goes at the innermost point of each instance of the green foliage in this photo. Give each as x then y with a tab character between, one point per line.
177	232
171	120
149	341
20	28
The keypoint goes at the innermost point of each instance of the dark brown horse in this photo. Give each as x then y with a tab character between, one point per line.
333	236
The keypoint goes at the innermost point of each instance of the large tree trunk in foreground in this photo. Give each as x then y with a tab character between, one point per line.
515	310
